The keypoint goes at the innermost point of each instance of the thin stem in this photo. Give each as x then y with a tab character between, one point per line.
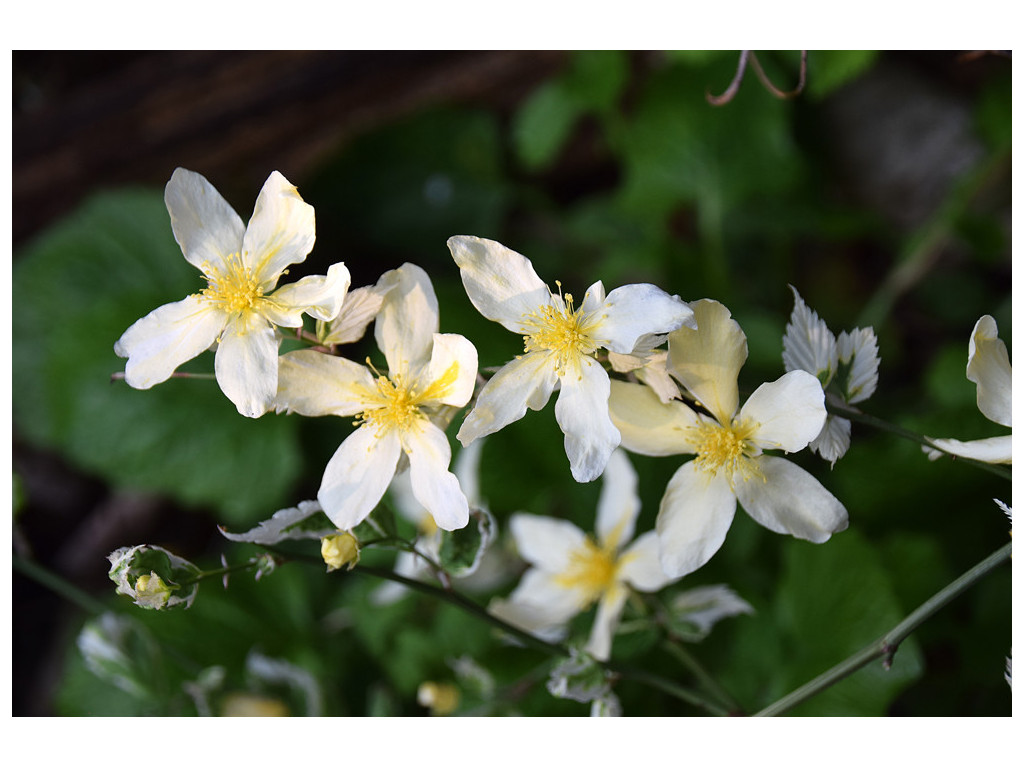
552	649
119	376
677	649
853	414
59	585
885	647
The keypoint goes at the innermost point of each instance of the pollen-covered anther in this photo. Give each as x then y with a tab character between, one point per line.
235	288
725	448
396	406
591	569
559	327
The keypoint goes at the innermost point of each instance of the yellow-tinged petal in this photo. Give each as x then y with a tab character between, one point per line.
618	504
707	360
408	319
647	425
787	413
357	475
314	384
695	515
988	366
158	343
526	382
204	224
501	283
246	365
788	499
319	296
582	412
282	231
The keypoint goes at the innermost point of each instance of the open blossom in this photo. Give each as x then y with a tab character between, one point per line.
847	368
239	308
729	443
570	570
560	340
426	371
988	366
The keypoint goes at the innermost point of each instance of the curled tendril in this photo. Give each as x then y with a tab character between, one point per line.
741	68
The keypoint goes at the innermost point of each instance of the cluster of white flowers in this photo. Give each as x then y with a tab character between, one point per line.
674	391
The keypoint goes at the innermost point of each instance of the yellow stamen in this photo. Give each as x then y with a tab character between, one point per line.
559	328
591	569
235	289
726	448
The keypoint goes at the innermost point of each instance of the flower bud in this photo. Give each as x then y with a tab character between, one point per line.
153	577
341	549
441	698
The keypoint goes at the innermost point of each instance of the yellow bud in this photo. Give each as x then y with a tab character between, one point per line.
441	698
151	591
339	550
251	705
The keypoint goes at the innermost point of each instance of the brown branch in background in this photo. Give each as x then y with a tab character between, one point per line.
771	86
726	97
741	69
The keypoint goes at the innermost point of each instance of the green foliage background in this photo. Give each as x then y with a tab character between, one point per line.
732	202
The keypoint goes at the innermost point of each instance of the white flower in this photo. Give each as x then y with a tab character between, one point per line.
239	308
426	370
571	570
847	368
988	366
730	464
561	340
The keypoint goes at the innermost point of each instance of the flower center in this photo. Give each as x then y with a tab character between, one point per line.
235	289
396	406
725	447
591	569
560	328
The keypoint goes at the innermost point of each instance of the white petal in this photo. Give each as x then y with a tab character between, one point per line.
320	296
609	608
408	319
808	344
246	365
545	542
790	500
640	564
593	299
646	424
993	450
167	337
538	605
525	382
281	231
467	469
359	309
704	606
988	366
696	512
655	375
433	485
357	476
451	375
315	384
634	311
859	350
501	283
582	412
708	360
789	412
205	226
833	441
619	503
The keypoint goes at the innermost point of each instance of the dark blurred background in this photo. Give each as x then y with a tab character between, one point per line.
882	192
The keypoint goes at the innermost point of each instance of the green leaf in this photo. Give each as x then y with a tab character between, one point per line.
306	521
462	549
543	124
76	289
834	599
829	70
